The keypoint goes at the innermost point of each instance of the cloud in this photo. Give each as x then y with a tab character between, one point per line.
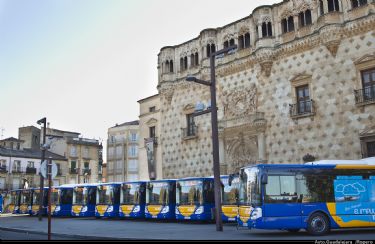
351	189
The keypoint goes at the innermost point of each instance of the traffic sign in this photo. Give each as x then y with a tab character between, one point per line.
44	167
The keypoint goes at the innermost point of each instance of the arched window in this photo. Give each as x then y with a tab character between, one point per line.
266	29
192	60
229	43
333	5
358	3
321	7
208	49
166	68
196	59
181	64
171	66
287	24
211	48
185	63
305	18
244	41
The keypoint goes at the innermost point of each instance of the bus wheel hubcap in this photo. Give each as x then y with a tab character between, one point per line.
318	224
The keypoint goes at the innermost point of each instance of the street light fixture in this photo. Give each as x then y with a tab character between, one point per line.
44	122
215	131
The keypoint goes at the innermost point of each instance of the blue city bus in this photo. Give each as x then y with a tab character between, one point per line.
195	199
229	202
132	200
316	198
61	201
84	200
1	203
107	200
25	201
160	199
13	202
35	200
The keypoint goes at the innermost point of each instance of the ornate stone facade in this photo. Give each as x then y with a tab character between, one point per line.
258	85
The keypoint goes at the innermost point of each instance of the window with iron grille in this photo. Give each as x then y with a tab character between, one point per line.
371	149
303	100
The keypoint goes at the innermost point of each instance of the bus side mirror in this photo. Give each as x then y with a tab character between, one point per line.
264	179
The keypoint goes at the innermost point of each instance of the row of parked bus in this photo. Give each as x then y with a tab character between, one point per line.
316	197
183	199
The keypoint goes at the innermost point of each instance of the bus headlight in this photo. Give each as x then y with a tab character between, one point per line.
84	209
199	210
165	210
110	209
136	209
256	214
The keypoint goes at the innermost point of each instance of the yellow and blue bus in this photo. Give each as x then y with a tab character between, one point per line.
132	200
13	202
317	198
84	200
230	187
107	200
195	199
25	201
160	199
61	201
35	200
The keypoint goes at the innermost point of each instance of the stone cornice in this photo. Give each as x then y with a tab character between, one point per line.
328	35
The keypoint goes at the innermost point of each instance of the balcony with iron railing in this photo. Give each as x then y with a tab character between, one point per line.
190	132
152	139
86	171
302	109
30	170
17	170
3	169
365	96
73	171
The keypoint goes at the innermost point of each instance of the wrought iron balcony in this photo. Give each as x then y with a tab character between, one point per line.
86	171
190	132
364	96
302	109
3	169
152	139
73	171
17	170
30	170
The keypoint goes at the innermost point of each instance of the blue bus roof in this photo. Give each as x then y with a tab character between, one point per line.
195	178
167	180
318	166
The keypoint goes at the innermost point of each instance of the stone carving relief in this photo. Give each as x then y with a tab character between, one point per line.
240	102
241	150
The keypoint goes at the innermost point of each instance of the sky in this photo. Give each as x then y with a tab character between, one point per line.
84	64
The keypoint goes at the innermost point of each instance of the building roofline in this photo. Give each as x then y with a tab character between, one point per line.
147	98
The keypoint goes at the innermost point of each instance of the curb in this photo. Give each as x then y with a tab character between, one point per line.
68	235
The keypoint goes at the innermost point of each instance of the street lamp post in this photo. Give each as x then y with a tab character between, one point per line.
215	132
44	121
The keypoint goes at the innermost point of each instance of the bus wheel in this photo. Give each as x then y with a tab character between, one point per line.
318	224
293	230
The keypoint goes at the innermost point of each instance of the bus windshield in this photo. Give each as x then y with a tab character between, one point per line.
105	195
36	196
13	198
80	195
230	192
25	197
55	197
189	192
249	193
130	194
157	193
